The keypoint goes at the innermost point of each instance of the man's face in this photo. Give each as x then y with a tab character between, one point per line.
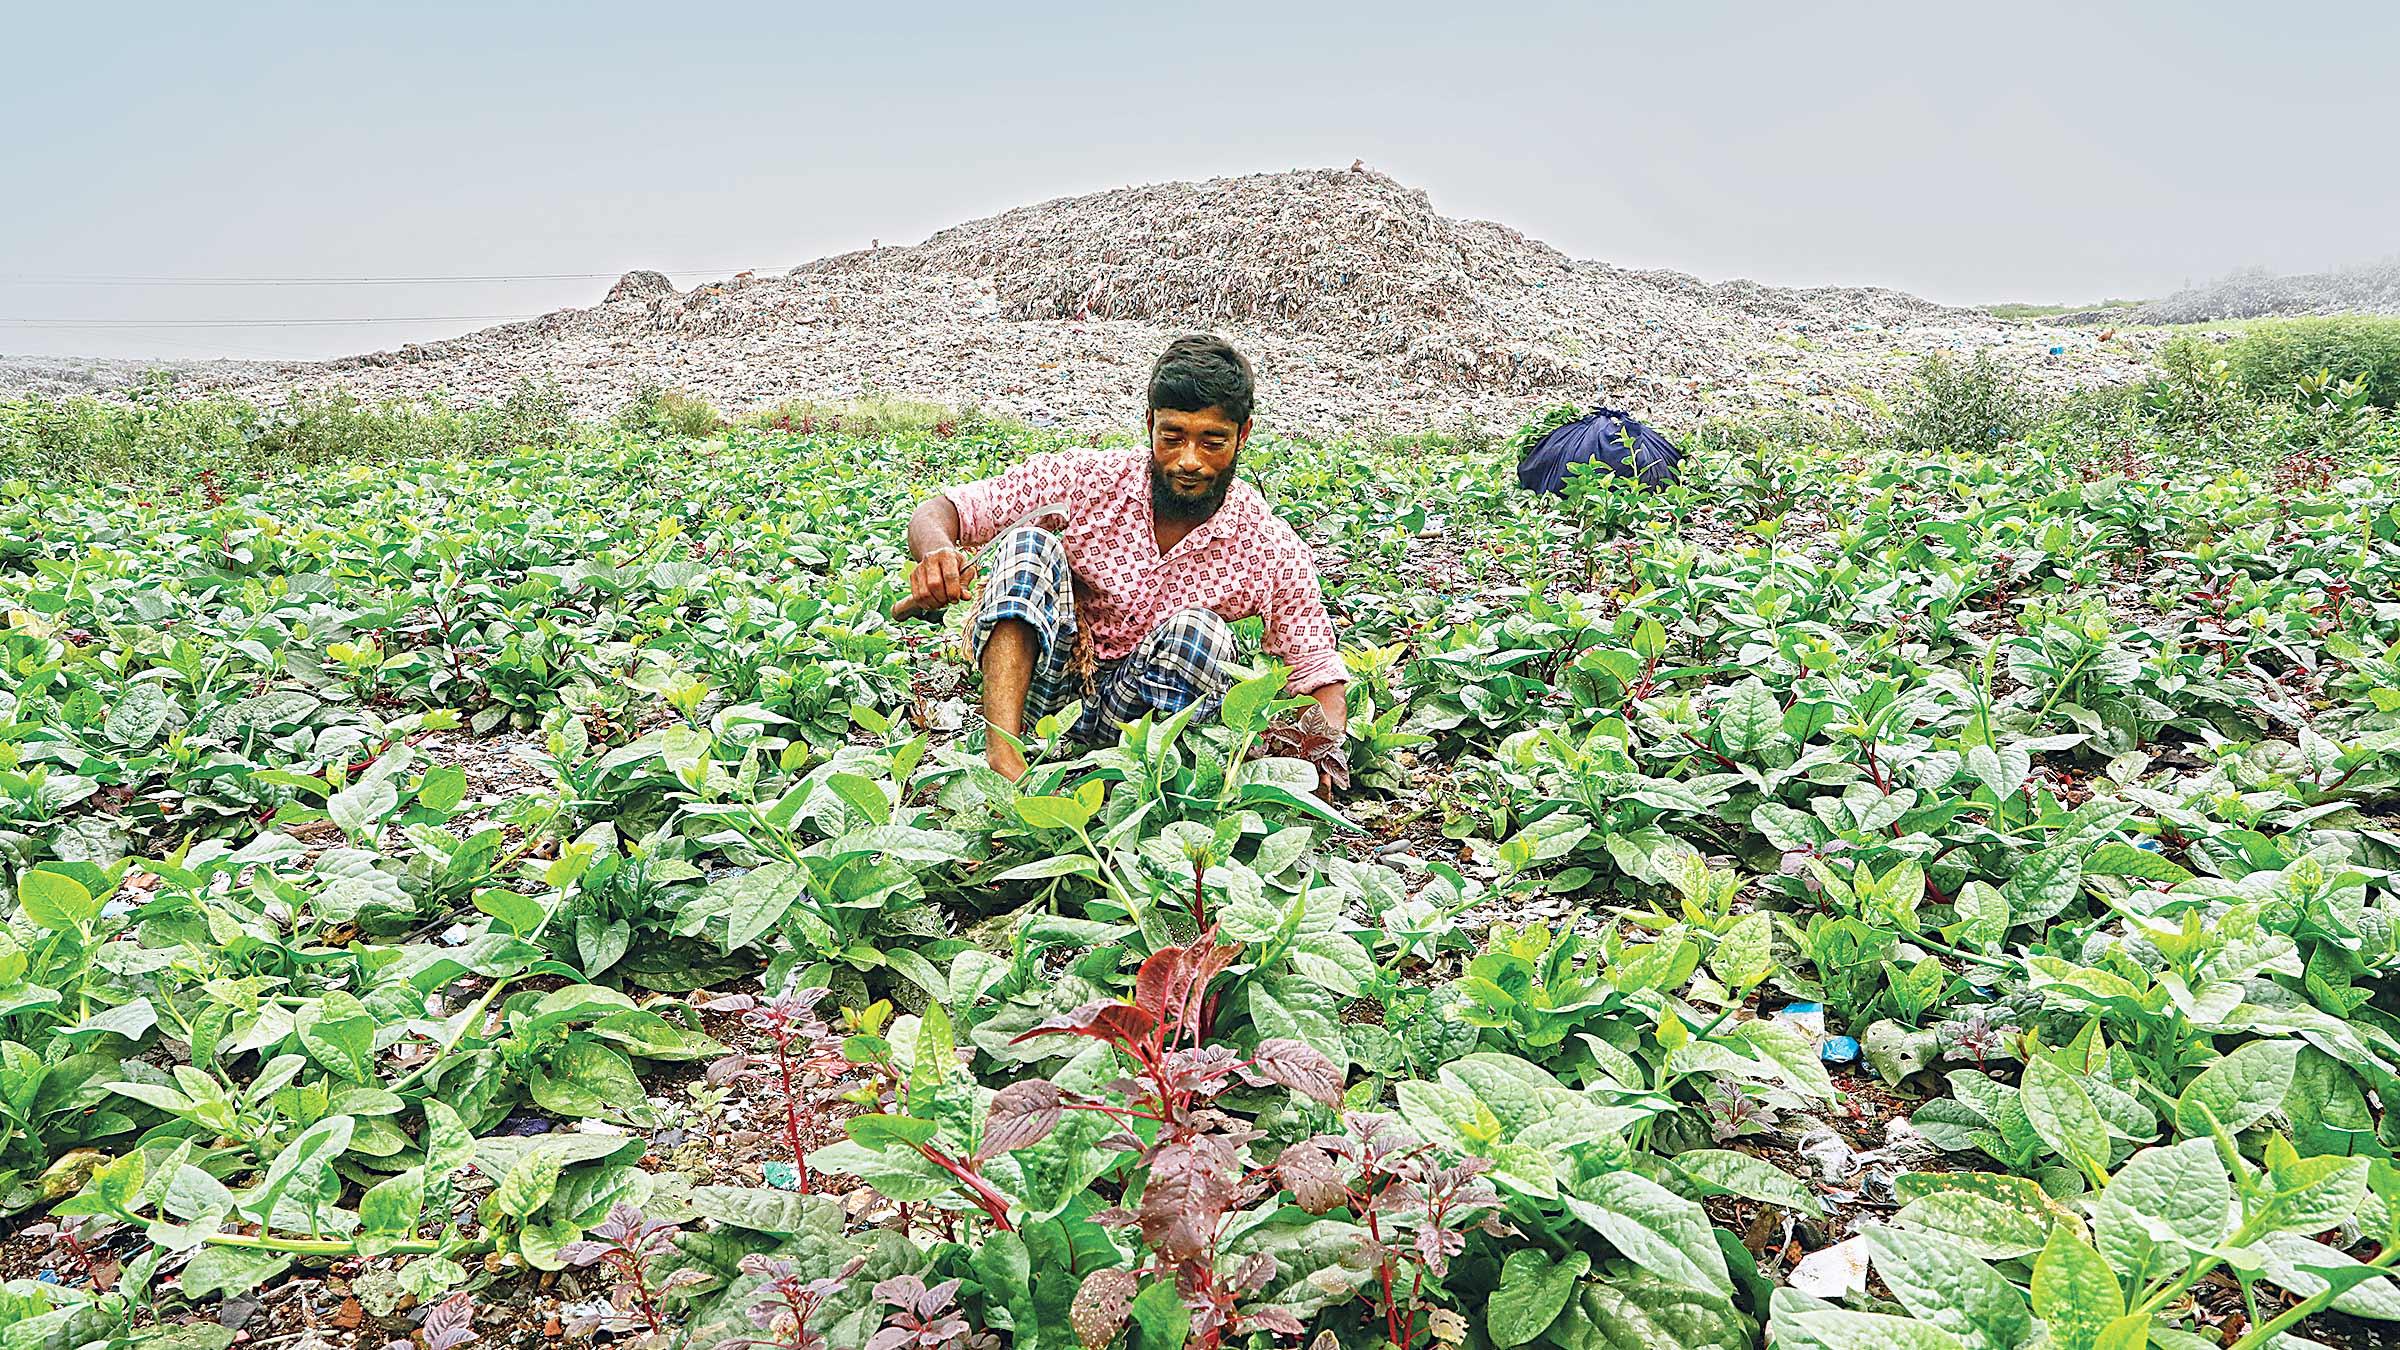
1192	456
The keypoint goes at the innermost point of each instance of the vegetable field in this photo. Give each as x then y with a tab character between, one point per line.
1860	898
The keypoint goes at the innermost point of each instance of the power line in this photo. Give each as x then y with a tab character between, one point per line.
113	279
219	350
262	323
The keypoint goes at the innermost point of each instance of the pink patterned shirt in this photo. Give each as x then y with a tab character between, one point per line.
1240	562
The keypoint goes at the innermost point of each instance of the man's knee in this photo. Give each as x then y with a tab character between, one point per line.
1192	654
1031	543
1029	582
1198	631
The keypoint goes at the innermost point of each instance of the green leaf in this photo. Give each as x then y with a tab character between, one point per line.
1750	718
1532	1292
393	1205
2176	1194
2003	770
903	843
755	901
1824	1328
1792	1050
1723	1171
1160	1321
1951	1289
442	789
1056	865
1053	813
517	912
448	1144
1983	917
864	795
339	1033
222	1272
2063	1115
762	1210
933	1060
2074	1291
529	1185
2240	1089
1655	1228
55	901
1991	1228
1745	955
2118	859
2311	1195
588	1078
1334	961
2130	1332
1245	705
301	1182
2044	884
875	1131
138	715
359	807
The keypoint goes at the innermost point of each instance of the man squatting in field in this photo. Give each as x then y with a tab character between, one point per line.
1157	553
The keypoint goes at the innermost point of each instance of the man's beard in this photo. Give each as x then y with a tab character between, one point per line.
1166	505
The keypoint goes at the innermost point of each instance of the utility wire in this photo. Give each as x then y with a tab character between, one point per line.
46	279
260	323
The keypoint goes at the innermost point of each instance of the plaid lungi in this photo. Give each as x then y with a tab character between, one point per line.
1184	660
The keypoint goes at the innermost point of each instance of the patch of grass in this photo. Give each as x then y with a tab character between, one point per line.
2273	356
2016	310
655	411
156	433
874	415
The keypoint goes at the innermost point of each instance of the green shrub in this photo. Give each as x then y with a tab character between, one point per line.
660	412
154	432
1965	405
876	415
2271	359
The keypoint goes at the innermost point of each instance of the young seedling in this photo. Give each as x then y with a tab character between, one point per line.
630	1243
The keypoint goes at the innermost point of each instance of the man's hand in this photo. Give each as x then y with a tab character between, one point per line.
942	578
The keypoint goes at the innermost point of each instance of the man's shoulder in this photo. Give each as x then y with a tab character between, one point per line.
1265	527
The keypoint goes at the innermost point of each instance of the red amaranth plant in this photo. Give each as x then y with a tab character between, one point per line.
1191	1176
788	1303
925	1319
448	1326
629	1242
805	1054
1380	1174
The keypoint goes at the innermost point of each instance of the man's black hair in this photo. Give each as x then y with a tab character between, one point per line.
1199	372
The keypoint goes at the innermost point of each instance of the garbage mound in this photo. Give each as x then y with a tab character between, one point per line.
2256	293
1363	308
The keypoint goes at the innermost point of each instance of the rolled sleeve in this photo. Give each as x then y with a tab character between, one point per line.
1300	632
989	505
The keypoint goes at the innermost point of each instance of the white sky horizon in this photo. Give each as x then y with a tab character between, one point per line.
2048	153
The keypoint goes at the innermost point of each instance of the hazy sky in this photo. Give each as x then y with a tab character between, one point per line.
1971	153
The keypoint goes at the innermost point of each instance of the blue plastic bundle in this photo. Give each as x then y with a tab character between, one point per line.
1616	438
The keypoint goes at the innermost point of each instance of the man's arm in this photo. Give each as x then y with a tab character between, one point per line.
941	576
1334	701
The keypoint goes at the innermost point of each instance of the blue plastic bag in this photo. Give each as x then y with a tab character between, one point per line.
1616	438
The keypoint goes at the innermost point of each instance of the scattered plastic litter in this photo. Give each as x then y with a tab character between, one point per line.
781	1175
1839	1050
1833	1271
1832	1156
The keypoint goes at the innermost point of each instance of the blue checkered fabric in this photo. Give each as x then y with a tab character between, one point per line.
1183	661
